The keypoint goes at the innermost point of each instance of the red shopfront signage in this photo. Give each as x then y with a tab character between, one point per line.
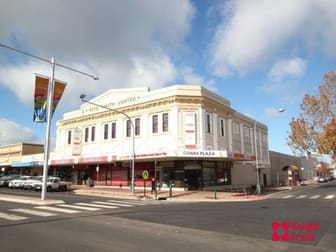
68	161
99	159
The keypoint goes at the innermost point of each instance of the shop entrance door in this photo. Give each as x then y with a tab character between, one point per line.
193	179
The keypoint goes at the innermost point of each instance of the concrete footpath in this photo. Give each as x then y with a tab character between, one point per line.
140	194
175	195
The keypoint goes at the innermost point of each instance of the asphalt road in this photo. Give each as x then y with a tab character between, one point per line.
170	226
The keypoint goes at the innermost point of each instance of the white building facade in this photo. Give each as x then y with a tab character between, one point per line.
183	134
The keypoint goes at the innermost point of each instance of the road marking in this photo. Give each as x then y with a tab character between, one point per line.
95	205
128	202
112	203
56	209
315	196
288	196
11	217
329	197
80	207
301	197
33	212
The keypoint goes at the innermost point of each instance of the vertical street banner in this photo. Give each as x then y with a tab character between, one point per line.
41	97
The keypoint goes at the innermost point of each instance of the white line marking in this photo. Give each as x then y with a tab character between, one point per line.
301	196
33	212
80	207
288	196
11	217
315	197
56	209
95	205
128	202
329	197
112	203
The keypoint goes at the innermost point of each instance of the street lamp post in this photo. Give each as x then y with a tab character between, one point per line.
49	108
256	153
256	156
132	161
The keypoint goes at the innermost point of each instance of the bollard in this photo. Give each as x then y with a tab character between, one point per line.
215	194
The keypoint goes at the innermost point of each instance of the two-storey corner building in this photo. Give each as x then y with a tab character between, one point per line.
183	134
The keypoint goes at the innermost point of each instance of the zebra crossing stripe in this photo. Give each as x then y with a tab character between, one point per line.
315	197
128	202
95	205
288	196
112	203
57	209
301	197
329	197
11	217
80	207
33	212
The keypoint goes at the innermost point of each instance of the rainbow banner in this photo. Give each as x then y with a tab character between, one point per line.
41	97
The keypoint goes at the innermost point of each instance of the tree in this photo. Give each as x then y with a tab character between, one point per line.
315	129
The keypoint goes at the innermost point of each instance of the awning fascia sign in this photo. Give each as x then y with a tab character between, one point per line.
25	164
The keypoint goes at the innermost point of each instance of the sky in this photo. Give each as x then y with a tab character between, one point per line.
261	55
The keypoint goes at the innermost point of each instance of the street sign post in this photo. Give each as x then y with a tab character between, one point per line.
145	176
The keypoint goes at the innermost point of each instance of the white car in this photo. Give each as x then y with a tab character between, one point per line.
28	184
18	183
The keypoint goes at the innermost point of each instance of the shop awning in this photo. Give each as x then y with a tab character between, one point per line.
25	164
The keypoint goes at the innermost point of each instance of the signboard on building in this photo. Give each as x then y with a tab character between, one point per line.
190	128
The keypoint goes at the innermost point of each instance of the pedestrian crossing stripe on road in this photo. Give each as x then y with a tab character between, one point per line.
96	205
80	207
33	212
328	197
301	197
112	203
12	217
57	209
48	211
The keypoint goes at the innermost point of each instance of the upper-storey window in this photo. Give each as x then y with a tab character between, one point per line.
208	123
235	128
93	133
246	132
155	122
165	122
86	134
69	136
113	130
137	126
128	128
222	127
106	128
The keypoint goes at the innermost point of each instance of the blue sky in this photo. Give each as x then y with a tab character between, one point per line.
260	55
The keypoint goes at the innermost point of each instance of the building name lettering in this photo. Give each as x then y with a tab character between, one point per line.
199	153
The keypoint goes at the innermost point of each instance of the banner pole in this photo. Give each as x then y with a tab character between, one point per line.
47	136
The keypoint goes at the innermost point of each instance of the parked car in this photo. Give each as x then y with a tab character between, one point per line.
18	182
4	181
333	176
53	184
323	179
28	184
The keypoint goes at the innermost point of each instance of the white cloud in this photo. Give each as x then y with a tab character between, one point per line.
190	77
253	33
12	132
287	68
125	43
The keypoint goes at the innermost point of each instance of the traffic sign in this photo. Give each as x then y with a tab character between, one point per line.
145	174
